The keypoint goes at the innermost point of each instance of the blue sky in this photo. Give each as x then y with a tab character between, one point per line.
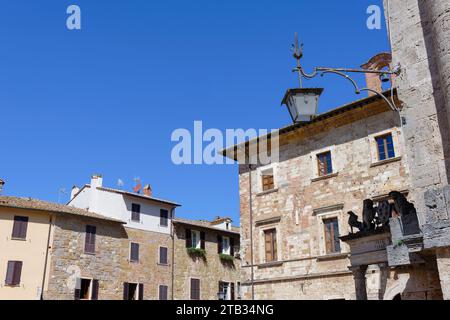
106	99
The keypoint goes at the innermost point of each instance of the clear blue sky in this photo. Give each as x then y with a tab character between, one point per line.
107	98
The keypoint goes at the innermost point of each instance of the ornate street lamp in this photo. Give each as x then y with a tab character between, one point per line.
302	102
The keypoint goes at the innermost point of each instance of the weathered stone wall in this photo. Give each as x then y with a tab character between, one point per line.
210	271
300	201
67	255
418	49
110	264
147	271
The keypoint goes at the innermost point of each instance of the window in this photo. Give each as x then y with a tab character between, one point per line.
13	273
267	180
135	212
227	288
239	295
195	239
270	238
225	245
195	289
163	292
164	216
20	228
385	147
324	164
86	289
163	255
134	252
133	291
89	242
332	242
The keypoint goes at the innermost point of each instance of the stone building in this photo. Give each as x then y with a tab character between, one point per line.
146	263
206	260
419	33
44	251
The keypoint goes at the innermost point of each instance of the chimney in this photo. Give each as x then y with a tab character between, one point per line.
96	181
378	62
148	190
74	191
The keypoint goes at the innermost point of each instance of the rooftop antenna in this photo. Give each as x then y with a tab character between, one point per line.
298	54
60	192
120	183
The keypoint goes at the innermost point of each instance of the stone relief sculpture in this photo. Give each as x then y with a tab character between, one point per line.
376	218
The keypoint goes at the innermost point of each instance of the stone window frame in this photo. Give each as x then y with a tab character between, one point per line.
315	163
330	213
373	146
261	171
262	249
91	286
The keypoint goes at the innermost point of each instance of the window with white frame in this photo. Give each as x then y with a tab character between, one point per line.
226	245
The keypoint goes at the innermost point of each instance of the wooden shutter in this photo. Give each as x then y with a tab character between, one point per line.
77	293
202	240
188	238
20	227
232	290
268	245
329	235
164	215
163	255
10	273
134	252
219	244
195	289
125	291
221	286
89	244
163	292
232	246
141	291
17	272
274	245
95	287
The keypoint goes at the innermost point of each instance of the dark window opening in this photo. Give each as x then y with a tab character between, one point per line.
385	146
164	217
13	273
89	244
324	163
134	252
163	255
332	241
135	212
20	227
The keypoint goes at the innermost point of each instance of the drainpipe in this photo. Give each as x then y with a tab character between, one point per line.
251	230
172	232
46	257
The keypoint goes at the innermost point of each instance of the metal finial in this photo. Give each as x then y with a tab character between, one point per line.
298	54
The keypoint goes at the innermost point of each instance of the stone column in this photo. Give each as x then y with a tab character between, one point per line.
359	275
443	262
376	277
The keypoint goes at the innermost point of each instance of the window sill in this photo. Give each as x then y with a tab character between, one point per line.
328	176
89	253
332	256
12	285
163	264
260	194
383	162
270	264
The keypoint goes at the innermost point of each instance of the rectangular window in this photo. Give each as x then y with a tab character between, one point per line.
89	242
134	252
196	240
267	180
226	245
85	290
163	255
270	237
20	228
324	164
332	241
385	146
13	273
195	289
135	212
163	218
227	289
163	292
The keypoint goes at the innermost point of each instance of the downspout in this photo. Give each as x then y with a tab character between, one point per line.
46	256
172	232
251	231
